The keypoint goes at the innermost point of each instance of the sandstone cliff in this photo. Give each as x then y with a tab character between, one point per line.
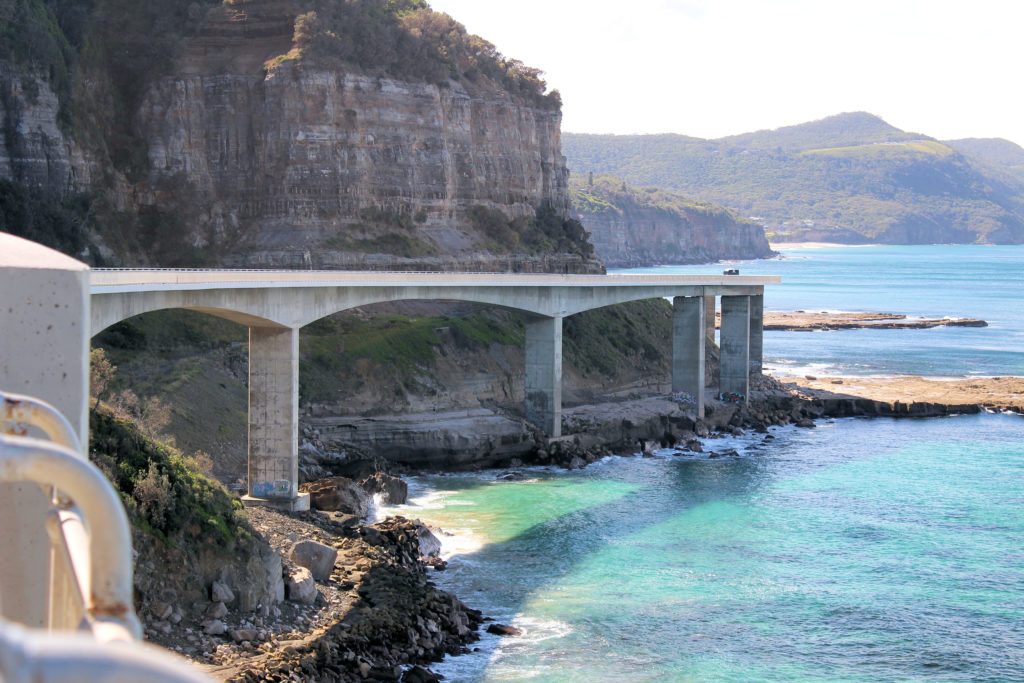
248	147
641	227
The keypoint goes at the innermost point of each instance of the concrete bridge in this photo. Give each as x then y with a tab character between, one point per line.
274	305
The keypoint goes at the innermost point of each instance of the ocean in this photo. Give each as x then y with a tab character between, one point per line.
861	550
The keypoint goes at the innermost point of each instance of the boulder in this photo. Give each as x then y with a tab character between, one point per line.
392	490
275	578
316	557
418	674
503	630
216	611
160	610
338	494
220	592
576	463
430	545
301	587
242	634
214	627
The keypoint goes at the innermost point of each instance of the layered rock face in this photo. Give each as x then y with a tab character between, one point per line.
34	150
632	227
296	167
242	152
643	237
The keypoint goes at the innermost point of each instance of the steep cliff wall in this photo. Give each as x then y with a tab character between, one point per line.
34	150
248	139
641	227
317	168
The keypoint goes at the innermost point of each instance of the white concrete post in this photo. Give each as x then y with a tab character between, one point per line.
734	341
544	374
44	352
756	333
688	333
274	418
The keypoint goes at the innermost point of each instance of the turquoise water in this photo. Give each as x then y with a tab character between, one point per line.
857	551
862	550
933	281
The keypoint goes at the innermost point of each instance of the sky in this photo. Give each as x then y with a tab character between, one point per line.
711	68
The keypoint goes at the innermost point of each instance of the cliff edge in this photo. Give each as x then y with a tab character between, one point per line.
283	134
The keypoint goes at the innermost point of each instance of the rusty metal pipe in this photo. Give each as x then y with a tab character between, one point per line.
18	409
110	547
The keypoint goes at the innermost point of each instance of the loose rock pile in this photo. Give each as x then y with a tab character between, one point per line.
391	620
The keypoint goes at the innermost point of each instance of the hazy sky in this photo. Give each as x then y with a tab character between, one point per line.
710	68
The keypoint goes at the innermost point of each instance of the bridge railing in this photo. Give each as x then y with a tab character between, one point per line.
141	276
90	562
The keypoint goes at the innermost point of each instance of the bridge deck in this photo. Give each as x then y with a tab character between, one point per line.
132	279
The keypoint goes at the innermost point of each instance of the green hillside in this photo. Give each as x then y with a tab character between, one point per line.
849	178
997	152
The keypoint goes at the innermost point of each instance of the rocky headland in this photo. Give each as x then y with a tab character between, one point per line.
808	321
631	227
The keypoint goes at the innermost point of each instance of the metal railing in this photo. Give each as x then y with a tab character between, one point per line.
90	542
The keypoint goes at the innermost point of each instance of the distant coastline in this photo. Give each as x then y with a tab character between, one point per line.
775	246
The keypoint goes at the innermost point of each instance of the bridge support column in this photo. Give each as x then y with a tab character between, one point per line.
709	317
274	419
756	333
544	374
688	333
734	341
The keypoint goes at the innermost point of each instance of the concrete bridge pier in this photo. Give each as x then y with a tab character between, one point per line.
544	374
709	316
688	334
274	419
734	341
756	333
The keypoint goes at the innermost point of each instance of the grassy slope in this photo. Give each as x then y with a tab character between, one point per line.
371	363
164	492
606	194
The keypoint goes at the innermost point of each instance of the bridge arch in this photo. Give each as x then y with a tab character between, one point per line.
274	305
110	309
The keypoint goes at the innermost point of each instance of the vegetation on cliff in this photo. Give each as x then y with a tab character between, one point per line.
406	39
632	226
547	231
44	216
165	492
848	178
107	61
605	194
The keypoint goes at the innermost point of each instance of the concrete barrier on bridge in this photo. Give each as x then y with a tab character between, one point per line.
44	352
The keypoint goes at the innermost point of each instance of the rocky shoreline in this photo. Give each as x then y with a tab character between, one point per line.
804	321
373	614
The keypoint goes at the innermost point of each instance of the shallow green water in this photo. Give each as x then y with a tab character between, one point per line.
860	550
